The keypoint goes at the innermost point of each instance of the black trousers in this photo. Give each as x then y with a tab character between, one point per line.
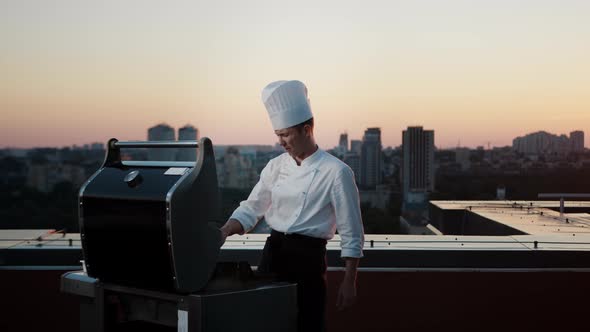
300	259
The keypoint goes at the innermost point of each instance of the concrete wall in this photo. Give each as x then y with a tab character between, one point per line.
484	300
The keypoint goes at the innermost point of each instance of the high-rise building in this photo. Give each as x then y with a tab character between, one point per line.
187	133
353	161
343	144
371	159
161	132
355	146
418	161
577	139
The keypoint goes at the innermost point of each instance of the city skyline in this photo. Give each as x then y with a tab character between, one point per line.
510	142
476	72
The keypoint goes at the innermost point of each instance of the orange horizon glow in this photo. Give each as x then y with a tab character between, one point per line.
474	72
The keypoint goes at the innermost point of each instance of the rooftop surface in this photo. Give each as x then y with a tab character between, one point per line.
526	234
429	282
538	218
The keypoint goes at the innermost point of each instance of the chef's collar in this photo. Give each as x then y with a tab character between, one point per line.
310	160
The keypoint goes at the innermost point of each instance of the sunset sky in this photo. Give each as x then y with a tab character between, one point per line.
74	72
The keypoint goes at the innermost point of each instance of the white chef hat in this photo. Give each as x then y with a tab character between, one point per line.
286	103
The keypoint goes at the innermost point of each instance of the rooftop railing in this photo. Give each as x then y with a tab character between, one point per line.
562	197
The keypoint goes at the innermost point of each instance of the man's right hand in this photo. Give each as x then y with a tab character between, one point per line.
230	228
224	235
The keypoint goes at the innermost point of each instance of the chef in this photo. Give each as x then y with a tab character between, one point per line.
305	195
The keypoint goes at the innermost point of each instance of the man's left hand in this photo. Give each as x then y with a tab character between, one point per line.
346	294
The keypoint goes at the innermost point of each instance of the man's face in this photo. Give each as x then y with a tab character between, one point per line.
292	139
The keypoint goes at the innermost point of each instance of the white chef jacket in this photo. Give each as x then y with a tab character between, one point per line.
314	199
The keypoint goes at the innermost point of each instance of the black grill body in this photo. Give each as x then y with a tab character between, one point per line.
152	224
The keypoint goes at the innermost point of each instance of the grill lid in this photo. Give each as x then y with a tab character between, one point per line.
152	224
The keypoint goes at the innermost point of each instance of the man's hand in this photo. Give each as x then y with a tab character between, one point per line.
230	228
346	295
347	291
224	235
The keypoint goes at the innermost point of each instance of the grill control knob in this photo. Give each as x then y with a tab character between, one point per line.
133	179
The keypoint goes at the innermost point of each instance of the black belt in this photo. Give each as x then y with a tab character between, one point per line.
299	237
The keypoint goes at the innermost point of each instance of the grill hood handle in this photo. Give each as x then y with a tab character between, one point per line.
114	146
155	144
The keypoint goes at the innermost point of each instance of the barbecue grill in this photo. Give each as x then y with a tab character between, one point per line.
152	224
150	244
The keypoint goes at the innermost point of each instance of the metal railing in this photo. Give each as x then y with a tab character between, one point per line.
562	197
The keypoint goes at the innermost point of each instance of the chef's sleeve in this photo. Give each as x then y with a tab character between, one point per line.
346	202
253	209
